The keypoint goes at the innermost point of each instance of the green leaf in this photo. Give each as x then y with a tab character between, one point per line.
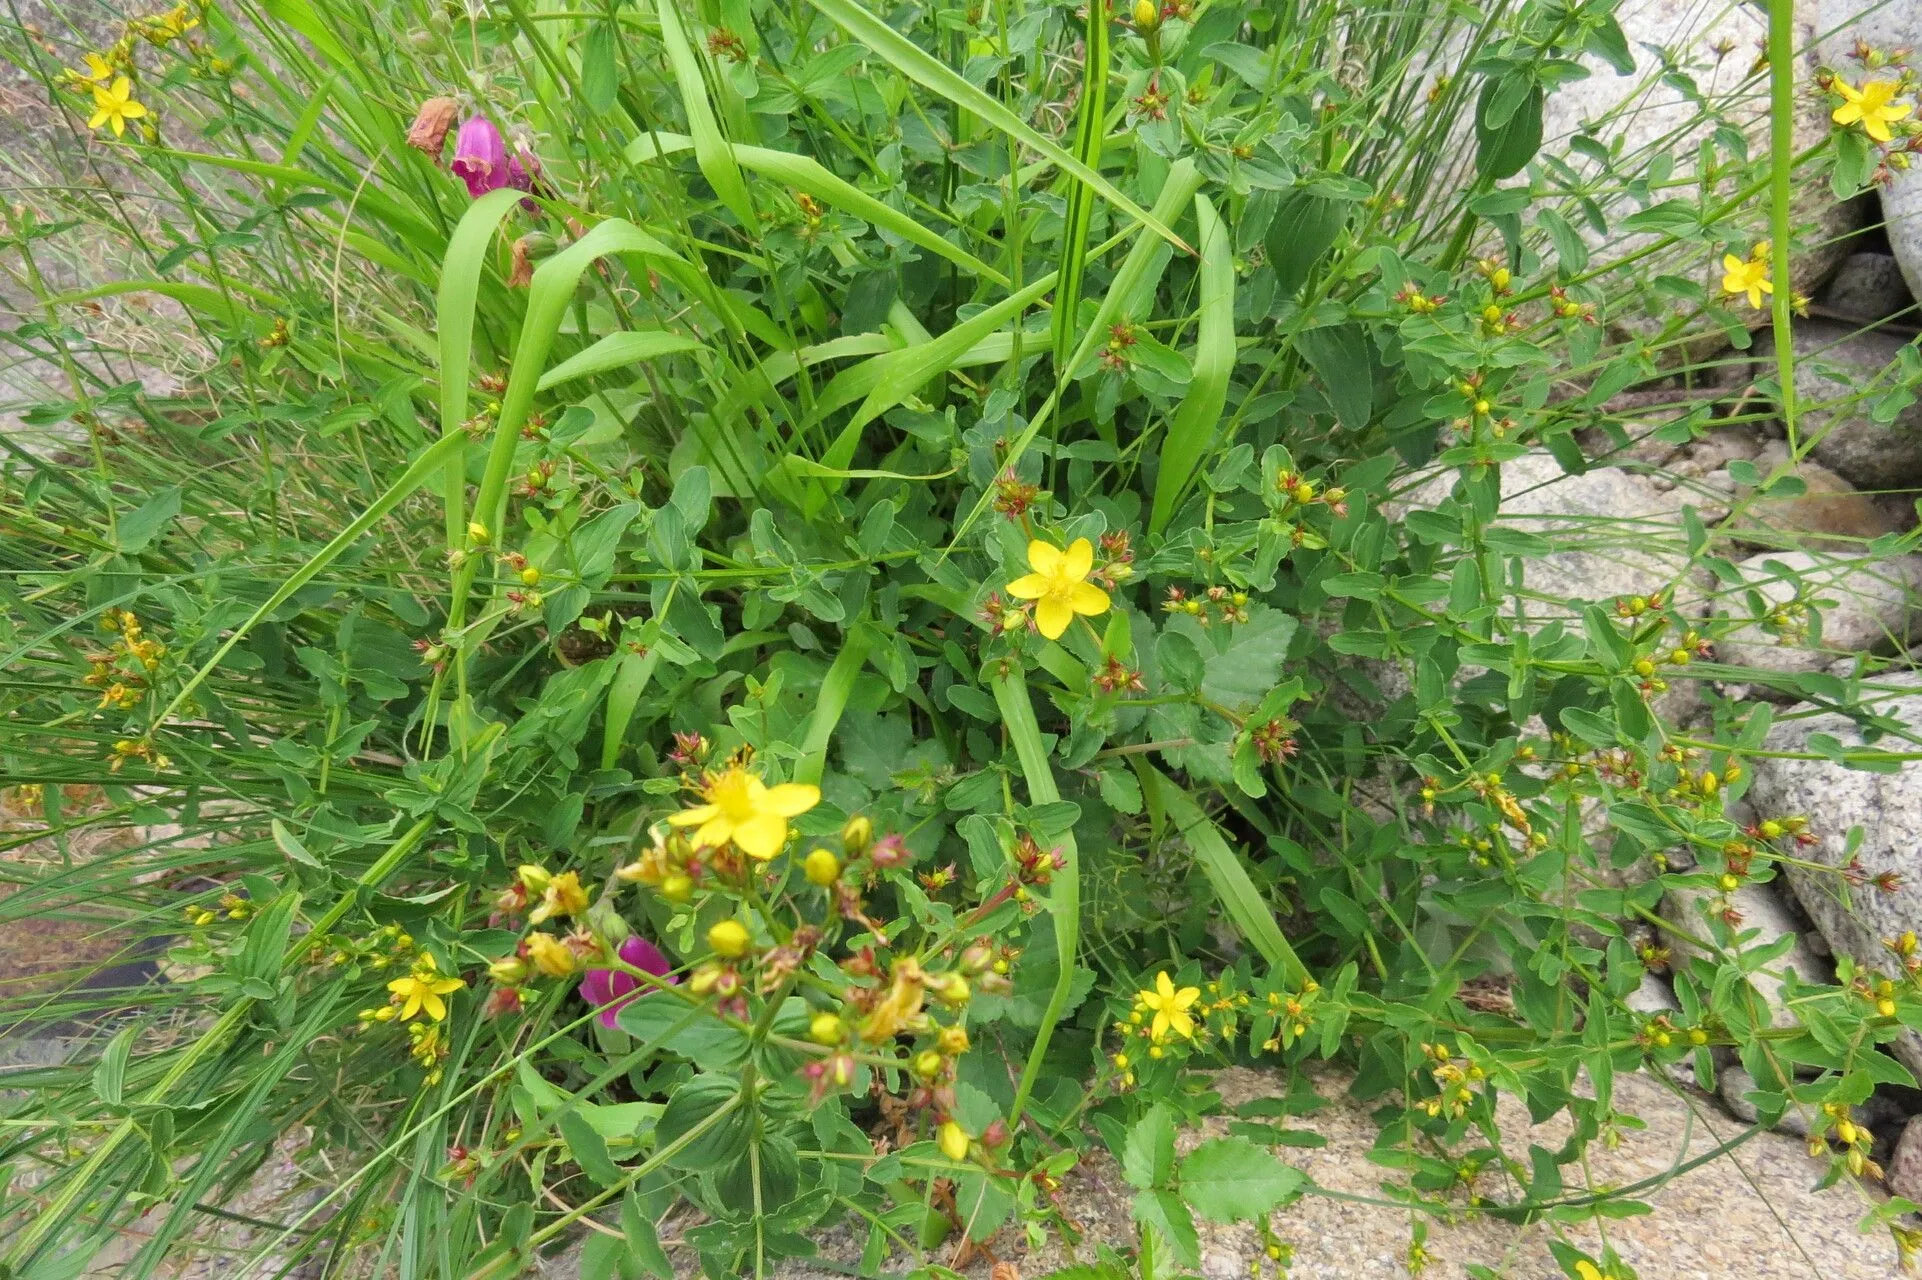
1507	141
1305	226
1148	1158
142	525
600	66
110	1073
1339	356
588	1148
1164	1212
706	1114
617	351
1231	1180
711	150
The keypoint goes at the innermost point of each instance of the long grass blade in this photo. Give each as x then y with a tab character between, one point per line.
1195	423
1090	129
711	150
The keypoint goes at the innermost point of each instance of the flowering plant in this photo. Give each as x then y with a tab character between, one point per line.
707	623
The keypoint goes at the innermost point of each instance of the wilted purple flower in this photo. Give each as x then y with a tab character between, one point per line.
480	157
609	989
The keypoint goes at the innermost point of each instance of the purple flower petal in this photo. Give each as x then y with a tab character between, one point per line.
612	988
480	157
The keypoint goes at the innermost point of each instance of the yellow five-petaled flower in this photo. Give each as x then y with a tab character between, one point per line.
114	105
1750	277
1059	585
423	989
742	808
1170	1008
1871	105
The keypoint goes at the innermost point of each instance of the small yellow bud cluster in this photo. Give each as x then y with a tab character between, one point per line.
1455	1081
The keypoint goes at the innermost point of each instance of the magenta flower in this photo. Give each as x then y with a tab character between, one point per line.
609	989
480	157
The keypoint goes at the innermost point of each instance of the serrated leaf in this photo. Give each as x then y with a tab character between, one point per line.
1232	1180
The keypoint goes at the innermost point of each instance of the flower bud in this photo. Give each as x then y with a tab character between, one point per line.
953	1040
530	576
827	1028
977	956
856	835
477	533
954	1142
677	887
890	851
509	971
821	867
729	938
533	878
1147	17
927	1064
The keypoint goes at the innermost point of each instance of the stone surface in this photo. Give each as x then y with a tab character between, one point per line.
1765	918
1754	1214
1867	287
1873	608
1827	513
1888	808
1833	363
1904	1169
1616	533
1733	1088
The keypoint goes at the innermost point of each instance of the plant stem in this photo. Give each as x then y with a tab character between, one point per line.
1781	54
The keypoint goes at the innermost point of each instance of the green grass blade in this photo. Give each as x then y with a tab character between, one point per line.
615	351
1231	881
432	459
711	150
1192	431
630	682
1089	132
914	62
1064	891
454	326
836	688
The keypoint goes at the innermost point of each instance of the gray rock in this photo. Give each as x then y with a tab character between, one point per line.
1653	997
1867	287
1827	513
1733	1087
1904	1169
1833	363
1871	605
1888	809
1696	910
1615	533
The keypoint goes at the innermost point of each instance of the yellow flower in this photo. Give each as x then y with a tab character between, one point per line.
1170	1007
742	808
99	71
1751	277
1871	106
1059	585
423	989
550	955
114	105
562	896
1586	1270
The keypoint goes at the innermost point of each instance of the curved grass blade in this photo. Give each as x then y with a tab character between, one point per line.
454	326
806	174
1193	429
836	688
615	351
711	149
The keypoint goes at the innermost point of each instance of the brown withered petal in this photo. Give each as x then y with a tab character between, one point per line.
522	273
431	124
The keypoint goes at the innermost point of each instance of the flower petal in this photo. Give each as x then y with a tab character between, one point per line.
1044	557
1164	985
1078	560
435	1006
1030	587
1876	127
688	817
762	835
412	1006
1052	616
791	799
1086	597
714	833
